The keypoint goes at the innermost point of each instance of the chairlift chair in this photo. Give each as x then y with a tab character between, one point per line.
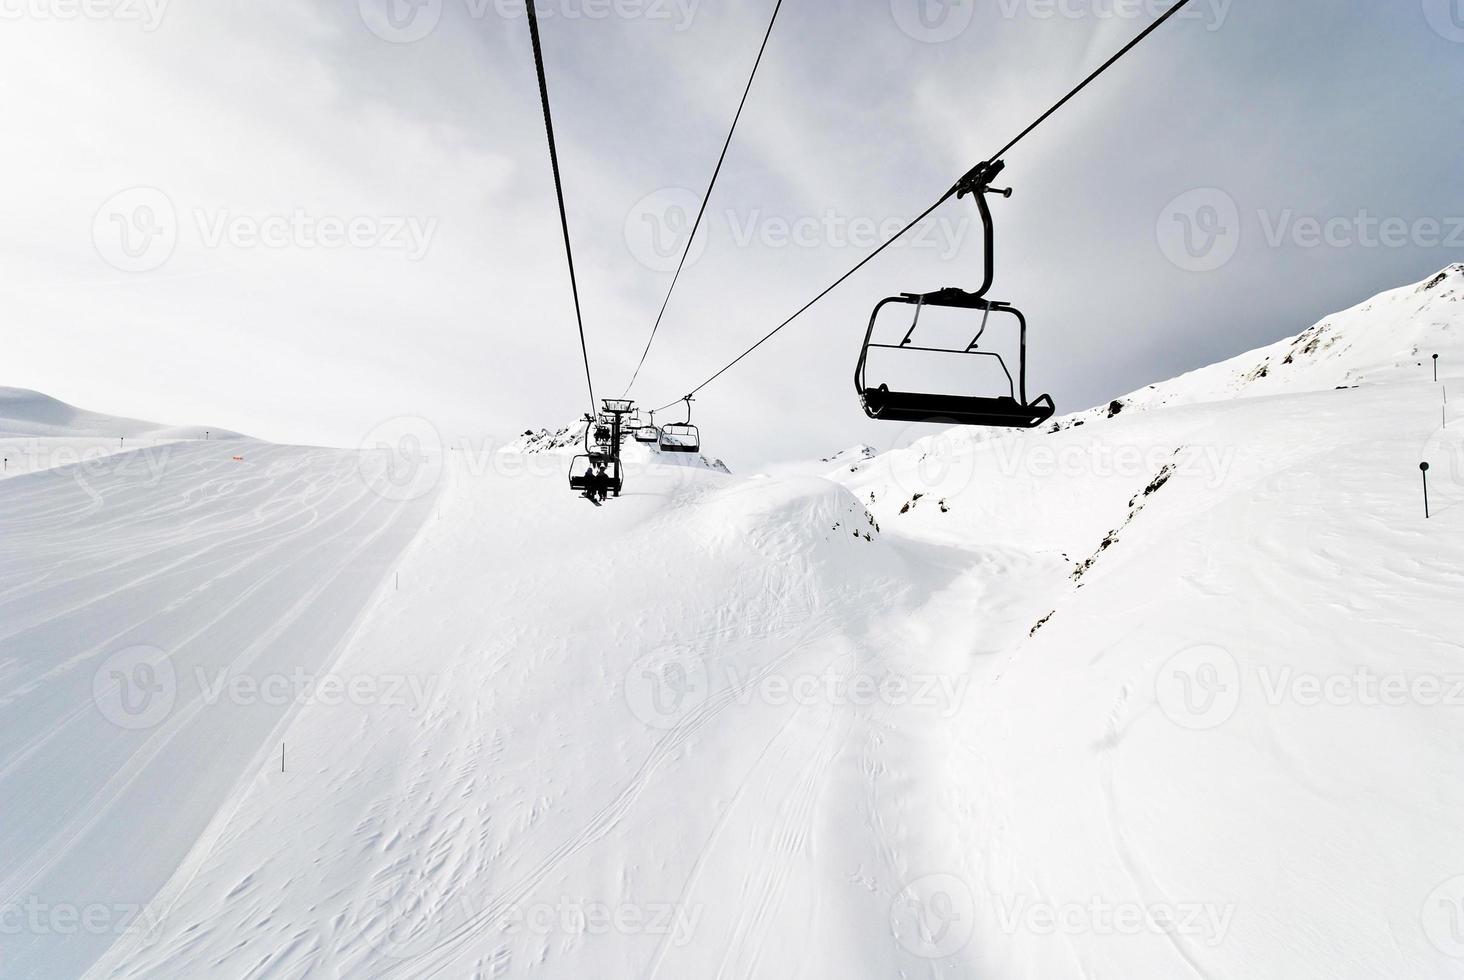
681	437
1011	410
602	431
582	466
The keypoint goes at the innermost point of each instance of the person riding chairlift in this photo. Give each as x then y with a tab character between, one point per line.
597	483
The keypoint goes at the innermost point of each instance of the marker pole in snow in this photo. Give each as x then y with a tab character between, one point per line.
1436	368
1424	468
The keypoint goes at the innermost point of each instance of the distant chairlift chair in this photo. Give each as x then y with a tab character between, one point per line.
681	437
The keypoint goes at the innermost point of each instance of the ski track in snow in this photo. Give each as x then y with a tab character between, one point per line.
223	565
420	837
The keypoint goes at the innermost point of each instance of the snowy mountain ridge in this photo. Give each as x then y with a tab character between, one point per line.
1388	338
30	413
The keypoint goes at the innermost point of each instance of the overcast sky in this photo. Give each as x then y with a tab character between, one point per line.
299	219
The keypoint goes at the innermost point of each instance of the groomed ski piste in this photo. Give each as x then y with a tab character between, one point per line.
1169	688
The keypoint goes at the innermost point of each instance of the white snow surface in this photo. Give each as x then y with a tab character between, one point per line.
38	432
1172	693
30	413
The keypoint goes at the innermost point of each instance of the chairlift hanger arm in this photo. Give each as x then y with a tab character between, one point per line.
975	182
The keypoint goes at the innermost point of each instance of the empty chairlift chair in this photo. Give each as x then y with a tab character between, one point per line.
681	437
904	403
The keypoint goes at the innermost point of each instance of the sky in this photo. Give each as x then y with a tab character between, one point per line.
307	220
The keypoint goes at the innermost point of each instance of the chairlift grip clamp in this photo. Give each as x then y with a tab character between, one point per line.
978	179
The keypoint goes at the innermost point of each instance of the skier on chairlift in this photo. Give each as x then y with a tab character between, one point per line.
597	486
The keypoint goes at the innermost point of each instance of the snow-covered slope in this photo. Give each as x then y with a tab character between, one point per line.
1164	694
30	413
38	432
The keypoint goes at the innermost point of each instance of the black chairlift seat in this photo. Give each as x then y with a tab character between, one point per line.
914	406
647	434
681	437
1011	410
